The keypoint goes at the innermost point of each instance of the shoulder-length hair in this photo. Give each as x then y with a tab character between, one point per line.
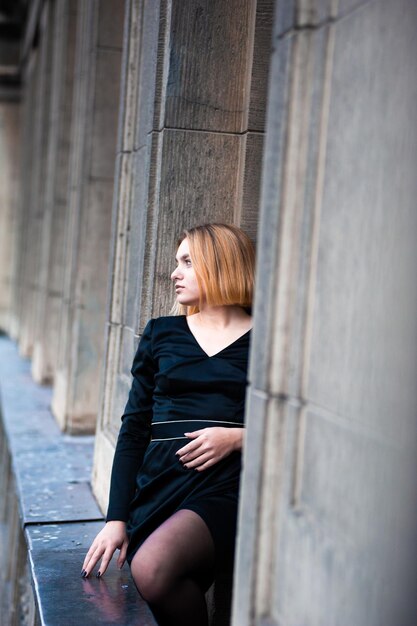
223	258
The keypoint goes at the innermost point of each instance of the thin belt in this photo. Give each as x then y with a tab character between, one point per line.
175	429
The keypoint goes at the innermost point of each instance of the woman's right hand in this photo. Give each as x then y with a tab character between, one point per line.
112	537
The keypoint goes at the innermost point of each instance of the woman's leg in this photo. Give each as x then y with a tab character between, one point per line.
173	569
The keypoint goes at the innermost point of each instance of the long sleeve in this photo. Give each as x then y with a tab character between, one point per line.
134	433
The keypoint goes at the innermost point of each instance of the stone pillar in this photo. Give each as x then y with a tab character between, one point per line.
88	221
189	151
29	79
54	198
34	208
9	201
328	504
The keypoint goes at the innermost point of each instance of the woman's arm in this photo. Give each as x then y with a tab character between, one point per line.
134	435
209	446
131	445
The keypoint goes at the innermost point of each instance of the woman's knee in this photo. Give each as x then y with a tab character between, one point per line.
150	576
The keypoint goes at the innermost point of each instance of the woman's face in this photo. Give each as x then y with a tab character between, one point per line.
186	286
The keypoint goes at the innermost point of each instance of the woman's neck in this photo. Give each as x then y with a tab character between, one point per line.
220	316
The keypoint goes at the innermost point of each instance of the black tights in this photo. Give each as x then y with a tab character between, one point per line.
173	569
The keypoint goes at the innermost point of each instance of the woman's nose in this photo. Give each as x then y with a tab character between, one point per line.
175	274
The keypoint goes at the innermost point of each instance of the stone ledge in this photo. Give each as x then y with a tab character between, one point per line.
58	513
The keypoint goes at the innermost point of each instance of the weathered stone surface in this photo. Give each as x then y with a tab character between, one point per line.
75	536
55	173
9	201
336	491
146	78
249	505
110	24
268	243
262	50
198	184
209	65
97	71
368	261
353	550
252	175
109	600
105	114
39	219
51	472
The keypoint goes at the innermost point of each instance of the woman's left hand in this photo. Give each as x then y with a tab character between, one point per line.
210	445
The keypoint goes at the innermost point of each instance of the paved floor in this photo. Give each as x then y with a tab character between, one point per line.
59	514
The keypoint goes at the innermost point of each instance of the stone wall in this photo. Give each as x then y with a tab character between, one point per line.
328	509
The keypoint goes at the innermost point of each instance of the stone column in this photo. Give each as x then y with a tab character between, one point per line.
189	151
9	201
29	81
88	222
35	205
328	505
52	269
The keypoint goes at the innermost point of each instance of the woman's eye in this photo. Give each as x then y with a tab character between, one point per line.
188	262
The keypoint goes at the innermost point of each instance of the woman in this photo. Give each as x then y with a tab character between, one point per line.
175	477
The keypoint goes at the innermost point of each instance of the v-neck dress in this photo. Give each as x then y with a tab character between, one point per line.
177	388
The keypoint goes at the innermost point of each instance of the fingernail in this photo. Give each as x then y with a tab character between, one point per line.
82	571
84	574
98	574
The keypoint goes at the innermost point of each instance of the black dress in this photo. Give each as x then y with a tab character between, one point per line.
178	388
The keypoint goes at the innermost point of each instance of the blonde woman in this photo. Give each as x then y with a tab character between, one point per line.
175	478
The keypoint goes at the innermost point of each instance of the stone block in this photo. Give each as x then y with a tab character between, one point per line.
198	183
262	50
122	377
252	176
256	416
137	244
361	356
347	506
105	115
112	599
320	582
74	536
110	24
343	548
147	226
66	87
88	335
209	65
119	229
94	242
162	64
146	78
